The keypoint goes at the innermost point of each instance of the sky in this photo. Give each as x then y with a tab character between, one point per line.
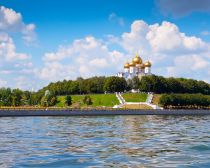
48	41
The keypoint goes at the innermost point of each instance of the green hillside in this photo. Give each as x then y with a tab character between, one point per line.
135	97
99	100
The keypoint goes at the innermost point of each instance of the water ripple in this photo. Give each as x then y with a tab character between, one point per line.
118	141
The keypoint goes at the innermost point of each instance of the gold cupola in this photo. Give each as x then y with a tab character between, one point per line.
137	59
147	64
126	65
131	64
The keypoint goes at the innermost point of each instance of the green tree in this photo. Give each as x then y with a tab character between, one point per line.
49	99
68	100
16	97
53	100
87	100
115	84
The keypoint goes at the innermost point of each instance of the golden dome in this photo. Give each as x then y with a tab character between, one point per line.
137	60
126	65
147	64
132	64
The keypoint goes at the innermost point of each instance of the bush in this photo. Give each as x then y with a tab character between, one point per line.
87	100
68	100
185	100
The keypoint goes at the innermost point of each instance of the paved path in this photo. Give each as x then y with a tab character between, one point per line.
148	101
120	99
149	98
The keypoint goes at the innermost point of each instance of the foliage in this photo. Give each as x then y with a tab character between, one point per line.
79	86
158	84
183	100
87	100
115	84
97	85
49	99
68	100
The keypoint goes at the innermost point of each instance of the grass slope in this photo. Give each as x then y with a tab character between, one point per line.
99	100
135	97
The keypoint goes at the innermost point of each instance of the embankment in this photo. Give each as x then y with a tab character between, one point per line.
23	113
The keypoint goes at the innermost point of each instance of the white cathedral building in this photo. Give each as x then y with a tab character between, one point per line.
135	68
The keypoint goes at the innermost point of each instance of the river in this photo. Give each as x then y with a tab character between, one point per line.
112	141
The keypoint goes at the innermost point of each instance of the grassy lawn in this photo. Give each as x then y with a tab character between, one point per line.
135	97
137	106
99	100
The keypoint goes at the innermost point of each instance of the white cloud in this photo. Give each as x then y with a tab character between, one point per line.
171	51
99	62
54	71
13	63
26	83
8	49
11	21
136	39
84	57
186	64
164	38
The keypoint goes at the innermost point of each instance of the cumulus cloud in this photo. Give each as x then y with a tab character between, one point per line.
8	49
12	62
171	51
183	7
11	21
164	38
54	71
84	57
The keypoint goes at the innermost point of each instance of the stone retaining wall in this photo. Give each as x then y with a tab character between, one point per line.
17	113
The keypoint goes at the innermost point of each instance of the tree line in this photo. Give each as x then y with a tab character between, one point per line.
185	101
152	83
16	97
159	84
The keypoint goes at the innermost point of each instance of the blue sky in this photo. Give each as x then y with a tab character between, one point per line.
45	41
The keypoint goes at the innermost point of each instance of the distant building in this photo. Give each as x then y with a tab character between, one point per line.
135	68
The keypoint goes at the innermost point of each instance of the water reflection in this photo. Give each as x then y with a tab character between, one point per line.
120	141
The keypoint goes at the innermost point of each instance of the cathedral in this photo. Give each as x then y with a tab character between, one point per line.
135	68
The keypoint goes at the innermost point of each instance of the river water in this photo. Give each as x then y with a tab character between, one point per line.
114	141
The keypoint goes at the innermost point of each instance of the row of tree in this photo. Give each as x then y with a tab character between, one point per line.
152	83
87	86
185	101
156	84
159	84
15	97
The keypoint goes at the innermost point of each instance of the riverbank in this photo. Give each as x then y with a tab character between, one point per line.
22	113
